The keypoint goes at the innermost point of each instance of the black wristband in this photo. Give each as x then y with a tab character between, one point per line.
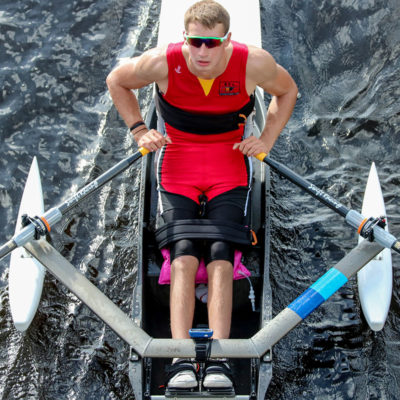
136	125
140	130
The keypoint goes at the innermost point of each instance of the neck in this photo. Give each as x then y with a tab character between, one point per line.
208	75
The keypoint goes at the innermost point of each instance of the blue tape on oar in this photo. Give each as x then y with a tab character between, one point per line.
318	292
329	283
306	303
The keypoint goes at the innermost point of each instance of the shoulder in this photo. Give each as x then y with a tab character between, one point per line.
152	65
264	71
261	66
140	71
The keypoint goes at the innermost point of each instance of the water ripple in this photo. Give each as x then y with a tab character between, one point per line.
54	57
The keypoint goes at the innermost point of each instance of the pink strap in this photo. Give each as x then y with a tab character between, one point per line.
239	270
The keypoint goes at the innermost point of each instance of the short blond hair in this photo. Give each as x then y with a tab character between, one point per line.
208	13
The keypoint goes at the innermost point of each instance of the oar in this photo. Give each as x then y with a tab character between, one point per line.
44	223
353	218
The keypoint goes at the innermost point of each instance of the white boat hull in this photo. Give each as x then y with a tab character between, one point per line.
244	25
375	279
26	274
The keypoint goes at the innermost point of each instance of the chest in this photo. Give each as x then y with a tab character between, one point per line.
222	94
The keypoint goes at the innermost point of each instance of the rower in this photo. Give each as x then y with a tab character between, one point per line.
204	169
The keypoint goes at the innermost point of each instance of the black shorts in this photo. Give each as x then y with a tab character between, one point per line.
229	206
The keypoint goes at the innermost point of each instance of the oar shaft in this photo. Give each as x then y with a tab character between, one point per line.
54	215
314	191
7	248
353	218
100	181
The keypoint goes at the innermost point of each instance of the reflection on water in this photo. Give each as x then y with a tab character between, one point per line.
54	58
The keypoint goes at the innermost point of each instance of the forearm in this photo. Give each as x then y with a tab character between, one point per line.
137	73
125	102
279	111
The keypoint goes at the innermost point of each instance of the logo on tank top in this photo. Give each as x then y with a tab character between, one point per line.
229	88
178	69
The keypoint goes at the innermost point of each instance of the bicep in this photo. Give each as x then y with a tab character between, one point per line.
139	71
279	84
266	73
126	76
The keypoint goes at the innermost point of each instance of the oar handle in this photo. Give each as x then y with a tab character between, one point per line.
261	156
143	151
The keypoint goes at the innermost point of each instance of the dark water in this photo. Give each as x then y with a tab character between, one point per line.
54	57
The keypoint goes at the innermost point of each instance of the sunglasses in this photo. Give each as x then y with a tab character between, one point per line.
209	41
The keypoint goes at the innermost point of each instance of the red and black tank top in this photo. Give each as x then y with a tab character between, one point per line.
224	94
204	163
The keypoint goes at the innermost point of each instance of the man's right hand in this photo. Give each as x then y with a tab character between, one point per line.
153	140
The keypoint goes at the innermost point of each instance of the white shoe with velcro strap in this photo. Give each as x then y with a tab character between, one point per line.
182	375
218	375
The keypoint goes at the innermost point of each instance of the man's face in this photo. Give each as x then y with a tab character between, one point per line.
203	59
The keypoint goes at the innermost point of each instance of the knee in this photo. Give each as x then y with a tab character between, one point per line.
184	269
220	275
183	264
